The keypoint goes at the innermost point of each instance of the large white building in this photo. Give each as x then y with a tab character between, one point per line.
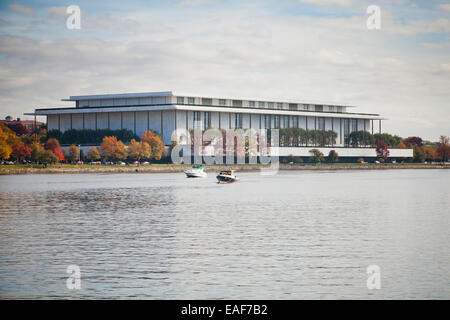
165	112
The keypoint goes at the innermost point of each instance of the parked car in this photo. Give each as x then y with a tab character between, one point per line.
79	162
121	163
145	162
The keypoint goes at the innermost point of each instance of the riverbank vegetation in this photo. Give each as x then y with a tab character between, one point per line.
42	147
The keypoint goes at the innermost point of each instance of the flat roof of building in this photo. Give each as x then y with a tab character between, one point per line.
171	93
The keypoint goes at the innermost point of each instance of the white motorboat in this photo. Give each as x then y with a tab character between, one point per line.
227	176
196	172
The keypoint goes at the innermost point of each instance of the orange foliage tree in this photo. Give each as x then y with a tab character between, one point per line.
139	150
53	145
156	144
112	149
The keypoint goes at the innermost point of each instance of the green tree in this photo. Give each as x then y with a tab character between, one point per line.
316	155
419	154
47	156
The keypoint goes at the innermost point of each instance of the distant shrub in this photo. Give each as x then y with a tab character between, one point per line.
316	155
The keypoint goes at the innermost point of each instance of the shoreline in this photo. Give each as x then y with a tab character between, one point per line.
168	168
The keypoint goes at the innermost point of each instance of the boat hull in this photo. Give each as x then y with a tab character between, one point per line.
226	179
195	174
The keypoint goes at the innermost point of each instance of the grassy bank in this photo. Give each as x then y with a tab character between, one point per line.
155	168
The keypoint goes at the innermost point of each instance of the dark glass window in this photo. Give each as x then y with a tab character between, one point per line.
237	103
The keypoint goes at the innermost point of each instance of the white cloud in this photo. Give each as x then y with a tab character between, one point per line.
21	8
345	3
193	3
57	12
445	6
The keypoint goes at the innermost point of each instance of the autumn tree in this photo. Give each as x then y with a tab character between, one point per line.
5	148
156	144
112	149
47	156
36	149
414	141
139	150
93	154
53	145
20	129
443	150
74	153
7	139
430	152
20	151
333	156
382	150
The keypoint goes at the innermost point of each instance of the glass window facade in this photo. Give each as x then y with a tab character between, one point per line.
251	103
285	121
237	103
279	106
191	100
320	123
180	100
346	130
295	121
238	120
262	104
267	121
222	102
354	125
206	120
292	106
196	119
270	105
319	108
276	121
207	101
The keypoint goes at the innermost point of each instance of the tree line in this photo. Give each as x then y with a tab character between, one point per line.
44	148
88	136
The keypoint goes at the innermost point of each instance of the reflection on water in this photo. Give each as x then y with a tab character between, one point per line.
294	235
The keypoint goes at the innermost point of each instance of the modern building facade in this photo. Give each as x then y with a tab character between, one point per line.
165	112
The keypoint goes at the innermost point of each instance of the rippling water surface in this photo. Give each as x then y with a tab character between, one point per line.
294	235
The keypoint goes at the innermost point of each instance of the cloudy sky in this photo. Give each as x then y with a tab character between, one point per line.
318	50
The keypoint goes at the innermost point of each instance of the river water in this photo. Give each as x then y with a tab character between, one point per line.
294	235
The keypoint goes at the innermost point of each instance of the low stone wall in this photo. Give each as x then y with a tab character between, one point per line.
213	168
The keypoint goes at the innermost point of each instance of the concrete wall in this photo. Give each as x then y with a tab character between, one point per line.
344	152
